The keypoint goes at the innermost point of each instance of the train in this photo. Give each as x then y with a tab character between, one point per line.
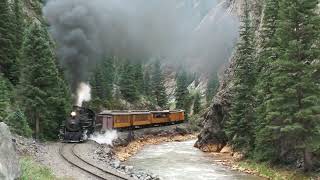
82	121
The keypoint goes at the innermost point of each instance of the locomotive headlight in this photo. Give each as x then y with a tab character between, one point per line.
73	114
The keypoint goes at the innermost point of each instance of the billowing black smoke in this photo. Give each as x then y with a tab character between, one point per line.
88	30
74	27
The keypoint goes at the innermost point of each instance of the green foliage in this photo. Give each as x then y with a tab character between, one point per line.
267	55
271	172
275	116
197	103
147	84
138	76
212	87
18	123
182	92
43	93
292	111
18	29
8	65
240	125
128	86
101	83
32	170
157	86
194	123
4	99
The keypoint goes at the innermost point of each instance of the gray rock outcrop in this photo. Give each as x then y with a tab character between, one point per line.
9	163
212	137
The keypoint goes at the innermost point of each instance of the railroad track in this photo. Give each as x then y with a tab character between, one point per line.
67	151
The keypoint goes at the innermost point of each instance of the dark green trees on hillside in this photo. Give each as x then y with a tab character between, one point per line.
147	83
43	93
18	31
135	82
7	49
266	57
197	103
157	85
138	75
275	117
292	113
4	99
212	87
240	126
182	92
128	86
101	82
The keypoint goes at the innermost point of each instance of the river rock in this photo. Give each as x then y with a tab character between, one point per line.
9	163
226	149
238	156
181	131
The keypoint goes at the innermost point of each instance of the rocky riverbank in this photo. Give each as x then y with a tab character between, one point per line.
236	161
46	154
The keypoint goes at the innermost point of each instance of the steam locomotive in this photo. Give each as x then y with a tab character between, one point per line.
82	121
78	126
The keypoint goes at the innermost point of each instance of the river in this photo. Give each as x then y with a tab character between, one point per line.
181	161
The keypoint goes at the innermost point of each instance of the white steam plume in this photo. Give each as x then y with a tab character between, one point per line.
105	138
83	93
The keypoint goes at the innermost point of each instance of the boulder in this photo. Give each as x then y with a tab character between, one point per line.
237	156
9	162
226	149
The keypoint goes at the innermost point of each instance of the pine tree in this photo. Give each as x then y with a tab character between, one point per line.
7	50
212	87
18	29
97	93
4	99
108	74
147	84
292	111
139	77
240	125
18	123
197	103
158	88
43	93
128	86
266	56
182	91
101	83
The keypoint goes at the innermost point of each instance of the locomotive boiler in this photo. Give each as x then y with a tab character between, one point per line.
78	126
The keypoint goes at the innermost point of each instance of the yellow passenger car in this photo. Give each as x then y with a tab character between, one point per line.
141	118
132	119
177	116
160	117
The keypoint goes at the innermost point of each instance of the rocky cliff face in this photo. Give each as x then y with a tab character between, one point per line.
9	164
212	137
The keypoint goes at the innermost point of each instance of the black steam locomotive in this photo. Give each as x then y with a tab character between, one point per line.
78	126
